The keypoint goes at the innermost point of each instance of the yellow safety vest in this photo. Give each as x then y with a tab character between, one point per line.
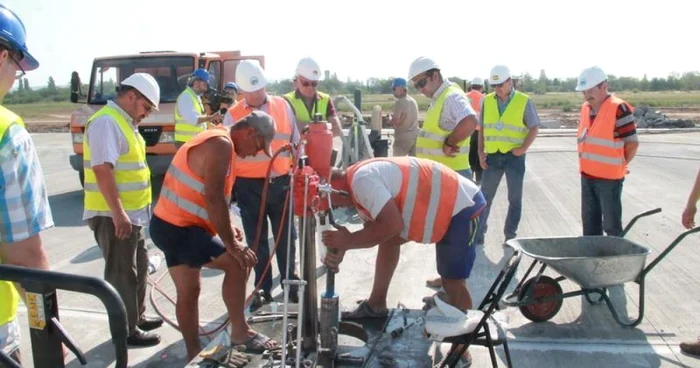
131	172
300	110
431	138
9	298
185	131
502	133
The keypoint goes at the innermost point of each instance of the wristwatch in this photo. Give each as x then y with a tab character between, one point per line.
449	145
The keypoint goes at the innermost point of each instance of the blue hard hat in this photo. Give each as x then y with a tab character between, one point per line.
201	74
231	85
13	35
398	82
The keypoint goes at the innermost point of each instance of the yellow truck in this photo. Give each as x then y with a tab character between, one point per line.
172	70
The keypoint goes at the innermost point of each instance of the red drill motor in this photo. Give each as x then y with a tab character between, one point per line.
314	161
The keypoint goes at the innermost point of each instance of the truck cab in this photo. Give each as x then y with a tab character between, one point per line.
172	71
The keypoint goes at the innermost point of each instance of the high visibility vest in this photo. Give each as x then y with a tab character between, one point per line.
9	298
426	199
303	115
502	133
475	98
431	138
600	153
256	166
131	172
182	202
185	131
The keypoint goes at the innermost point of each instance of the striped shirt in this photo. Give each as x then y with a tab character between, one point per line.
455	108
24	202
625	127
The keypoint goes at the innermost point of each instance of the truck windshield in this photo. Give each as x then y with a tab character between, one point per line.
170	72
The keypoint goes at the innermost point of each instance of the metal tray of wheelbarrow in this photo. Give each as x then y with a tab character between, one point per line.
590	261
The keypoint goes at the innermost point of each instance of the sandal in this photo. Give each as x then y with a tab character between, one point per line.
435	283
364	311
258	344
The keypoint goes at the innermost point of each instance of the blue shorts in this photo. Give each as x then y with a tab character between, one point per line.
455	252
192	245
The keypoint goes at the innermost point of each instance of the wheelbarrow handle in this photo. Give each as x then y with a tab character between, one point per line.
635	218
667	251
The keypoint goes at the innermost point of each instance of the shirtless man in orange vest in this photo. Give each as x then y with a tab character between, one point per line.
192	225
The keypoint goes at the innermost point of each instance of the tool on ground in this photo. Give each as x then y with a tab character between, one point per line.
399	331
226	357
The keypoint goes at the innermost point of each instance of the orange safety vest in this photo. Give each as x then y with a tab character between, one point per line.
256	166
475	97
600	153
182	201
426	199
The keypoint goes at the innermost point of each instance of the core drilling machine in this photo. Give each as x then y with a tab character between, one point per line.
316	332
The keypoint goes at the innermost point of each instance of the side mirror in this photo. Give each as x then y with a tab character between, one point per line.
75	88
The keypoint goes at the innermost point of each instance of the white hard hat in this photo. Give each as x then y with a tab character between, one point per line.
250	76
309	69
477	82
590	78
147	85
421	65
499	74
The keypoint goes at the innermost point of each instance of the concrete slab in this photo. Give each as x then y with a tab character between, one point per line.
580	335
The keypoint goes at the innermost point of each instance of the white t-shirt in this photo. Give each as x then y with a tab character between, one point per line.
374	184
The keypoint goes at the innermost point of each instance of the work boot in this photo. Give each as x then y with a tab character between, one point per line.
692	348
150	323
141	338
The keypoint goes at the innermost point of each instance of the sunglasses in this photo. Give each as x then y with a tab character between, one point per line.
20	72
307	83
421	83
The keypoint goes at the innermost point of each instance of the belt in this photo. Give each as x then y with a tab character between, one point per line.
273	180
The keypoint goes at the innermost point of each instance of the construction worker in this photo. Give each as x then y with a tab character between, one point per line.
476	97
192	225
404	120
118	196
24	200
190	117
232	89
607	143
251	174
688	221
509	125
307	101
398	197
449	121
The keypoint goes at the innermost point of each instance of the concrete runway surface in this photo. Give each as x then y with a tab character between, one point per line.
580	335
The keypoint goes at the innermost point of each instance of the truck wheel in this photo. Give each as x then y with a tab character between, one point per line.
81	176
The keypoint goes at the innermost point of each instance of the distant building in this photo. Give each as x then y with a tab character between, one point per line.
328	74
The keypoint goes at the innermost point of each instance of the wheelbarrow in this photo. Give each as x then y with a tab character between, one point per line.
593	262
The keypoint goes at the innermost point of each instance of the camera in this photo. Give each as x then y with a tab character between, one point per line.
217	101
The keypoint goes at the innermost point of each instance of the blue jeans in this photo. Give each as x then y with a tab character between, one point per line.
467	173
601	206
514	169
249	196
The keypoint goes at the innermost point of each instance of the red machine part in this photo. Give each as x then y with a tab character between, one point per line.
318	149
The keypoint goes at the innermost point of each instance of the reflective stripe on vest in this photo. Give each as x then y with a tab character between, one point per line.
600	153
131	172
426	199
431	138
182	202
184	131
503	133
9	298
302	113
256	166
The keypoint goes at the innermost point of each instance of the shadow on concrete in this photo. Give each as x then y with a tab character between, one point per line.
67	209
88	255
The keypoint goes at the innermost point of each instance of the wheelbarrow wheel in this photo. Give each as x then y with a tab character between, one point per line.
540	311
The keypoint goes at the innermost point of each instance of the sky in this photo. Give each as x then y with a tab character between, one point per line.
365	38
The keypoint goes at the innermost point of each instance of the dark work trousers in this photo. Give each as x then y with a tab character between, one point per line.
601	206
126	265
249	196
474	156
